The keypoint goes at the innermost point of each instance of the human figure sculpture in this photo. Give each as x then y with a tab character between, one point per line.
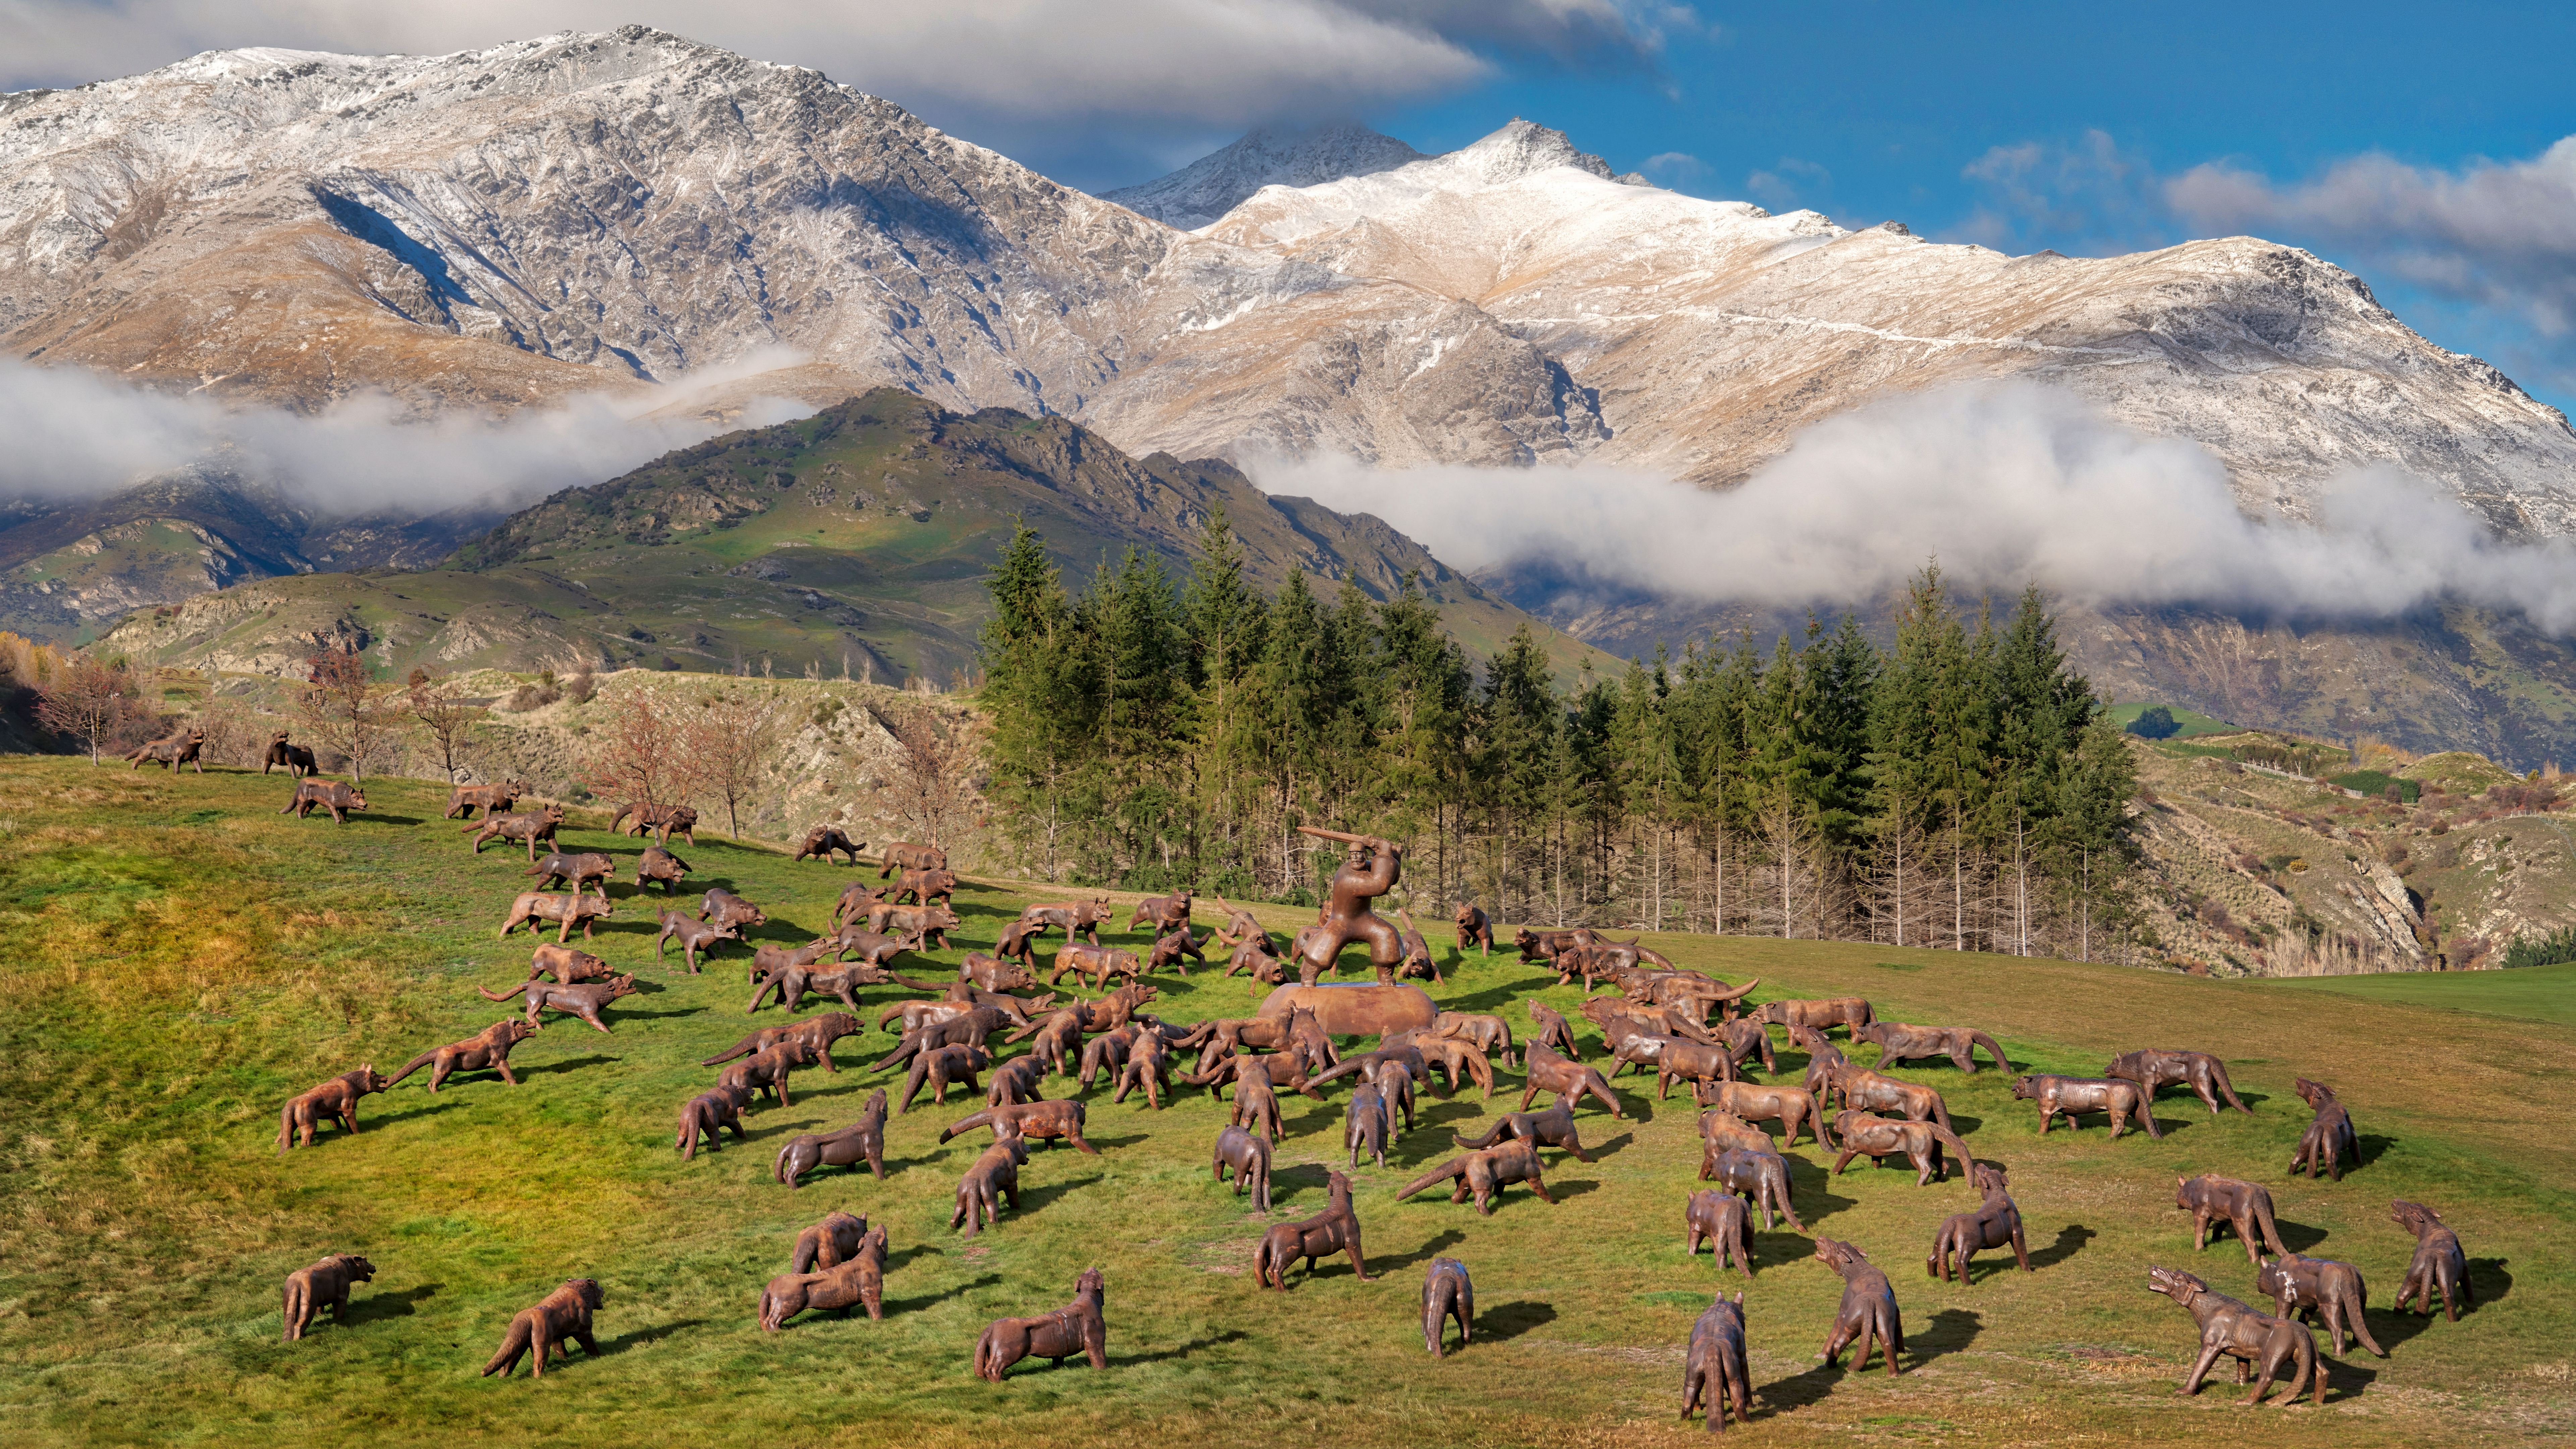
1372	868
1447	1294
1868	1308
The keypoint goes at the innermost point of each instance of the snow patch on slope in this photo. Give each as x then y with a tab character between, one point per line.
1216	183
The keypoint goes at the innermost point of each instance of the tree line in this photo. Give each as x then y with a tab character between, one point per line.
1962	788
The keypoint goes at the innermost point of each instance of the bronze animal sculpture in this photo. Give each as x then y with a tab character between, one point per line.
853	904
1168	950
296	759
1447	1294
1098	962
994	973
1337	1226
823	841
2333	1291
1281	1069
2247	1207
1544	1071
2121	1101
526	827
828	1244
1029	1121
1823	1057
1899	1043
692	936
1373	867
2329	1137
327	1282
1256	1106
942	1068
560	1315
1551	1128
1870	1091
1843	1011
931	923
1076	1328
488	1049
568	965
186	747
1791	1107
1485	1033
794	982
660	821
2153	1067
1078	918
908	855
926	887
2439	1267
855	1282
1364	1123
862	1141
1015	1081
876	949
1868	1308
1241	927
334	1101
1458	1059
1474	929
584	1001
331	795
1248	1158
580	870
1865	1134
1719	1128
1355	1010
1148	1065
724	908
565	912
1164	914
1536	946
993	1179
464	800
818	1032
1415	952
1719	1219
703	1116
1760	1178
1995	1224
2272	1345
767	1070
1715	1373
1260	960
1548	1028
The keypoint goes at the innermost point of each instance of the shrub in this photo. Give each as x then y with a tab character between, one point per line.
2549	949
2155	723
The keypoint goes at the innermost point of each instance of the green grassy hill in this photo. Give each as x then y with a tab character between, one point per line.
185	958
2192	721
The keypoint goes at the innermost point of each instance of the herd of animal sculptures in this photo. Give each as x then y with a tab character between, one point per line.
1660	1019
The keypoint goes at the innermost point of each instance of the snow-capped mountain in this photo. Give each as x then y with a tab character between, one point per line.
1218	182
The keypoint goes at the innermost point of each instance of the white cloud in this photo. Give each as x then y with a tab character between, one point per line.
2005	483
1785	181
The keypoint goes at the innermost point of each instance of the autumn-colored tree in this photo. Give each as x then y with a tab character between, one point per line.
733	737
928	778
344	707
88	699
646	755
444	716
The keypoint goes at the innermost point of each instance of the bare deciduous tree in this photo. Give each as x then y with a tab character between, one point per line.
929	774
90	700
733	736
343	706
444	717
646	756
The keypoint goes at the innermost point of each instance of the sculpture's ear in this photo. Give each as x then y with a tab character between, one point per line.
1739	1297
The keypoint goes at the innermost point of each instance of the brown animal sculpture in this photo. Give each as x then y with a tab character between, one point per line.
966	1028
1076	1328
2152	1067
767	1071
703	1116
565	911
794	982
1015	1081
2247	1207
856	1282
488	1049
1017	942
1484	1033
994	1179
464	800
296	759
187	747
1715	1373
1030	1122
1719	1220
326	1282
1791	1107
1337	1226
1164	913
1474	929
2333	1291
1572	1081
334	1101
818	1032
329	795
1148	1065
877	950
560	1315
1241	927
862	1141
1823	1057
1842	1011
693	936
931	923
1373	867
1256	1106
943	1067
568	965
527	827
828	1244
1485	1173
1899	1043
580	871
1078	918
660	821
1447	1294
584	1001
926	887
1248	1158
1865	1134
1458	1059
1355	1010
1868	1308
1168	950
1869	1091
906	855
2070	1096
722	907
2438	1266
1548	1028
2272	1345
852	907
1364	1123
1417	959
1719	1129
1760	1178
2329	1137
1551	1128
1536	946
823	841
992	973
1996	1224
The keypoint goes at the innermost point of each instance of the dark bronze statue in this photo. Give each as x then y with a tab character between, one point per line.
1865	1134
862	1141
853	905
794	982
2438	1266
1715	1374
525	827
874	949
1843	1011
943	1067
464	800
1719	1219
722	907
581	870
909	855
1014	1082
818	1032
1076	1328
1417	959
1030	1122
1364	1123
1551	1128
1899	1043
1760	1178
2057	1096
2273	1345
828	1244
567	965
1823	1057
1473	929
486	1050
2152	1067
705	1115
1872	1092
1446	1294
560	1315
334	1101
931	923
767	1070
2329	1138
1537	946
1165	914
1018	943
2333	1291
2247	1207
1241	927
1548	1028
1791	1107
1544	1071
1248	1158
295	759
1485	1033
660	821
331	795
1168	950
186	747
585	1001
1078	918
926	887
994	1179
692	936
1868	1308
995	973
1335	1227
533	907
309	1290
1096	963
1996	1224
1372	868
857	1281
1720	1129
824	841
1148	1065
1457	1058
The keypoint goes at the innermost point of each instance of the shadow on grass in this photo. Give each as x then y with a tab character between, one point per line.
2297	1237
2345	1378
1497	996
1811	1190
933	1300
1511	1320
1438	1243
655	1334
430	1108
1577	1188
1798	1390
1963	1124
2372	1145
2070	1241
1034	1198
390	1305
917	1250
568	1064
1105	1143
2488	1277
1949	1331
1181	1350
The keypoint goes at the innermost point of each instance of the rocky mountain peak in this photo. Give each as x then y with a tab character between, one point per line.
1523	148
1216	183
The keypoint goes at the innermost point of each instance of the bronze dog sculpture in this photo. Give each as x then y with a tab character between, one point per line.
1865	1134
488	1049
1164	914
1484	1033
875	949
942	1068
2438	1266
2329	1138
1715	1373
1847	1012
992	1180
1337	1226
464	800
327	1282
2152	1067
296	759
1791	1107
1719	1219
1719	1128
1868	1308
1417	959
1256	1106
1241	927
1551	1128
828	1244
1364	1123
823	841
1099	963
818	1032
993	973
2244	1206
1355	1010
660	821
856	1282
1168	950
1076	1328
926	887
584	1001
1760	1178
1899	1043
1078	918
1870	1091
966	1028
329	795
533	907
581	871
693	936
2333	1291
1474	929
724	908
931	923
560	1315
707	1114
187	747
1545	1071
1996	1224
794	983
1060	1121
2121	1101
853	905
862	1141
767	1071
1014	1082
567	965
905	854
334	1101
526	827
2272	1345
1548	1028
1248	1158
1447	1294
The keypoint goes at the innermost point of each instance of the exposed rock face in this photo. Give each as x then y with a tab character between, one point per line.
1216	183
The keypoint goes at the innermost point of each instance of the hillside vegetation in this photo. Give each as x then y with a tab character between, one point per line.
188	958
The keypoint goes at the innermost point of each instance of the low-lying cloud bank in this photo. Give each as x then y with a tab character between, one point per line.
2005	484
73	434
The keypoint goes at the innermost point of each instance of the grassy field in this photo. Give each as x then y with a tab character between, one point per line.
2192	721
183	959
2538	993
